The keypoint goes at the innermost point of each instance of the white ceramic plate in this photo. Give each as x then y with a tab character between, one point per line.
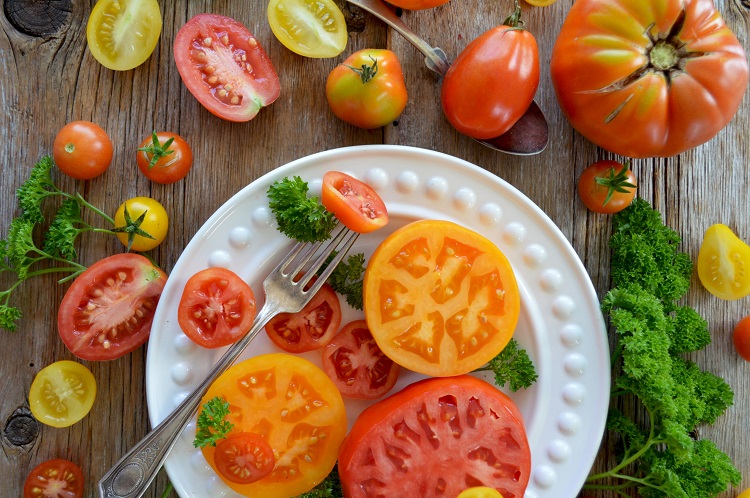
560	325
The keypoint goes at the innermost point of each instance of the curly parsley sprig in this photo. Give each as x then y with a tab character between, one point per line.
211	423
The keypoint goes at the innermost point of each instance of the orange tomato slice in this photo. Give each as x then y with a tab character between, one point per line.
440	299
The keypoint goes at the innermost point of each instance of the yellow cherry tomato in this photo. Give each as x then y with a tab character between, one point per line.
145	234
479	492
540	3
745	494
724	263
313	28
62	393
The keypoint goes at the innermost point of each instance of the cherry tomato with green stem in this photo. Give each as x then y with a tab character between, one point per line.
82	150
164	157
141	223
607	186
367	90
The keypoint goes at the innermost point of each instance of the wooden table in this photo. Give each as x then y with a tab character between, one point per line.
49	78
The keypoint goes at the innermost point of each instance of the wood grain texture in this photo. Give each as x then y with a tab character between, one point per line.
50	78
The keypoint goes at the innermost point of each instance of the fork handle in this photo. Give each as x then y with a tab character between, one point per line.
133	473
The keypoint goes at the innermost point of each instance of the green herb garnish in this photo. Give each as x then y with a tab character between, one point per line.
512	366
298	216
212	424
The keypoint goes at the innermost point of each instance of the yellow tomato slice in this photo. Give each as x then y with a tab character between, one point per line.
313	28
724	263
296	408
122	34
480	492
440	299
62	393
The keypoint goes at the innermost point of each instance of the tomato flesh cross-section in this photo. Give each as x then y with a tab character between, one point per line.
440	299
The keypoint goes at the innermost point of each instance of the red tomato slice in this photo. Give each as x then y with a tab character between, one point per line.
353	202
217	307
55	478
108	310
437	437
244	457
310	329
357	366
224	67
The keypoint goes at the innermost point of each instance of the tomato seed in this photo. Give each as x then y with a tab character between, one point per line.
207	42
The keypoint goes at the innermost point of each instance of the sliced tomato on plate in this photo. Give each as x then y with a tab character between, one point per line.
224	67
310	329
293	406
357	366
354	203
440	299
108	310
57	478
244	457
217	307
437	437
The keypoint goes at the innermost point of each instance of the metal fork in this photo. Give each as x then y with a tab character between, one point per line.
285	293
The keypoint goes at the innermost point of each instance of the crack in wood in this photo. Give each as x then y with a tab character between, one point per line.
38	18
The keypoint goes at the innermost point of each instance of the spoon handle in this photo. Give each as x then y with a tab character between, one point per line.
435	58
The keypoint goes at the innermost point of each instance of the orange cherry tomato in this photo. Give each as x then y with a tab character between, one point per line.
295	408
440	299
164	157
607	187
82	150
57	478
244	457
741	338
354	203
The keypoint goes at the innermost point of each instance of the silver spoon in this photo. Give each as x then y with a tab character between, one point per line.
528	136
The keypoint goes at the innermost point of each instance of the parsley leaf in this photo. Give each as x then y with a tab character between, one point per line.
298	216
512	366
211	423
347	278
330	487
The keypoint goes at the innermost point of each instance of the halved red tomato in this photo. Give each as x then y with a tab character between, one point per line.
224	67
217	307
57	478
108	310
310	329
354	203
437	437
244	457
357	366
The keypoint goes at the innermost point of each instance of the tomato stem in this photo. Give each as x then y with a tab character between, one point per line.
365	72
514	20
664	56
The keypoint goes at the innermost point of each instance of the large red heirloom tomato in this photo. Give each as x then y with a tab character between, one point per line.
648	78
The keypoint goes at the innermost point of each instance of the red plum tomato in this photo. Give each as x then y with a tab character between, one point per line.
367	90
224	67
354	203
82	150
108	310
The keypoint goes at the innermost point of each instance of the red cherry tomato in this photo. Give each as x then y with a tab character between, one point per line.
353	202
82	150
310	329
367	89
492	81
357	366
607	187
108	310
439	433
244	457
224	67
741	338
162	161
55	478
217	307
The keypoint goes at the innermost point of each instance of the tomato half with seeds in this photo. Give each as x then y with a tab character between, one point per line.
56	478
723	262
122	34
295	408
313	28
244	457
108	310
354	203
439	298
356	364
224	67
437	437
82	150
62	393
309	329
217	307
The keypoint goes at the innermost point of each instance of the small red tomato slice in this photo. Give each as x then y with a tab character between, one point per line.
55	478
217	307
357	366
353	202
244	457
310	329
224	67
108	310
